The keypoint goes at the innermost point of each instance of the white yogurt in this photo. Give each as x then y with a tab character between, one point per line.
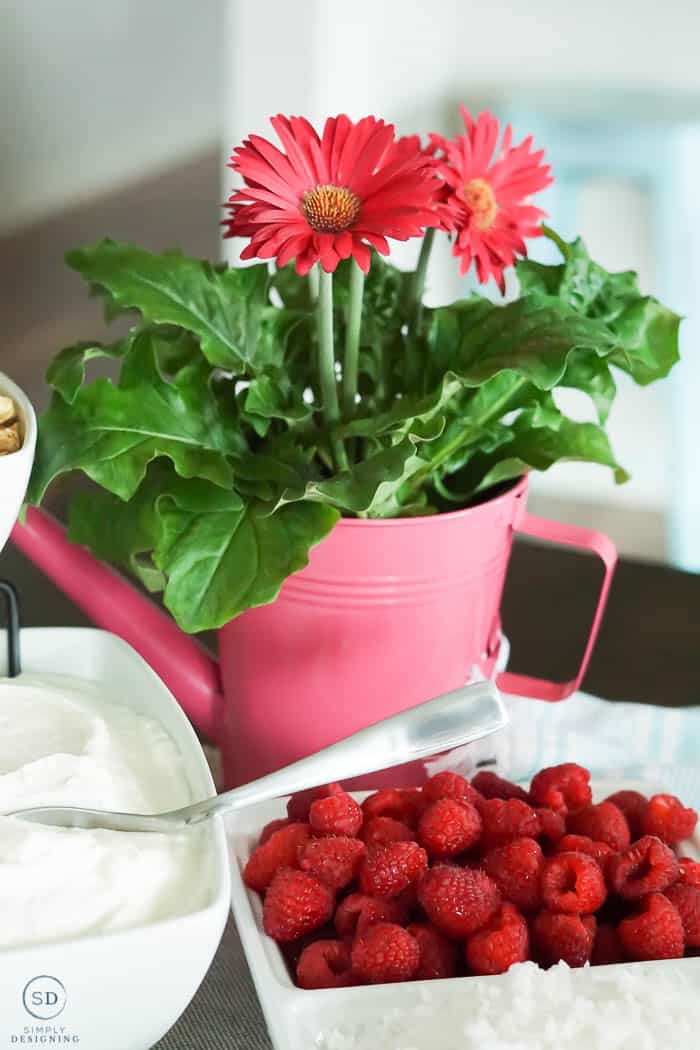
66	741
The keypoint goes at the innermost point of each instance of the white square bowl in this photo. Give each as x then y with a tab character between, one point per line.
295	1016
125	989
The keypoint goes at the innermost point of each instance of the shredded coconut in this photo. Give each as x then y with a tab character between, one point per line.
635	1007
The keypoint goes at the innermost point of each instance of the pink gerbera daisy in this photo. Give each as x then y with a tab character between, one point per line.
489	195
331	197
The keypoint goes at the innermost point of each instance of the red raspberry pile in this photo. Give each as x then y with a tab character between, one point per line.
458	878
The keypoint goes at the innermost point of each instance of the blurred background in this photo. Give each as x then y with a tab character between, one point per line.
116	118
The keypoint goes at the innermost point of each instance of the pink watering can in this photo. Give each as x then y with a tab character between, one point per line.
387	614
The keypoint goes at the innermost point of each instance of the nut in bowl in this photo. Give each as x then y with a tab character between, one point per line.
485	885
17	444
10	433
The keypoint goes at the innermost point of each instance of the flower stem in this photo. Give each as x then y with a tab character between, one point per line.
352	340
414	313
553	236
313	283
326	363
421	270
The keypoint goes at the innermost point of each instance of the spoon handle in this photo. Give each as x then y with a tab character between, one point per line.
449	721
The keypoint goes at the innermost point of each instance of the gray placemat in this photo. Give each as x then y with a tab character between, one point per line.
225	1013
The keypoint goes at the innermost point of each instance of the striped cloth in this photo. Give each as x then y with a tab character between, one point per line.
614	740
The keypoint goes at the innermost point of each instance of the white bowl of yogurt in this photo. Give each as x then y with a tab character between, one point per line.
15	467
104	936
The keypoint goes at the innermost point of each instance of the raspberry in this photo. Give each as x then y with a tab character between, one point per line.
335	861
689	873
390	802
552	825
377	831
415	802
602	823
568	937
449	826
607	948
564	788
499	945
324	964
279	851
516	868
656	933
648	866
449	785
686	901
600	851
295	904
269	829
459	901
336	815
632	804
387	870
385	953
573	883
438	955
408	899
357	912
298	805
490	785
668	819
507	820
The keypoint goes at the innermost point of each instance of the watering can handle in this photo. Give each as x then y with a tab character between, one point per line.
112	603
582	539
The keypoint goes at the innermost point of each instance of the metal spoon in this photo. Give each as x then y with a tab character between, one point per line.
449	721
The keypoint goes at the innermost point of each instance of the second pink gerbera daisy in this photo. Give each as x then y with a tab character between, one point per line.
489	198
331	197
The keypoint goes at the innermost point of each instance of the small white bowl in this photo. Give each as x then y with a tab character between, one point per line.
121	990
16	467
295	1017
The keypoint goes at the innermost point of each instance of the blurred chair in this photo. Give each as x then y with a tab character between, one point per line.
654	144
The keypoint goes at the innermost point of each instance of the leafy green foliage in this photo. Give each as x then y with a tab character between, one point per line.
216	468
222	555
113	432
221	307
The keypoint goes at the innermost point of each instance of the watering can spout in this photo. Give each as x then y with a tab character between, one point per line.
117	606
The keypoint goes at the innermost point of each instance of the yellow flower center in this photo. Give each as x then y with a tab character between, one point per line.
481	200
330	209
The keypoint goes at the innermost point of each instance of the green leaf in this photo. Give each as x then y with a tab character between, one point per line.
120	532
407	415
592	375
222	556
268	398
536	448
645	332
293	290
113	433
648	336
367	487
221	307
362	489
533	336
66	373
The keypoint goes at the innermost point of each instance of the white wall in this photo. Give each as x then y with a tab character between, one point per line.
411	61
95	92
